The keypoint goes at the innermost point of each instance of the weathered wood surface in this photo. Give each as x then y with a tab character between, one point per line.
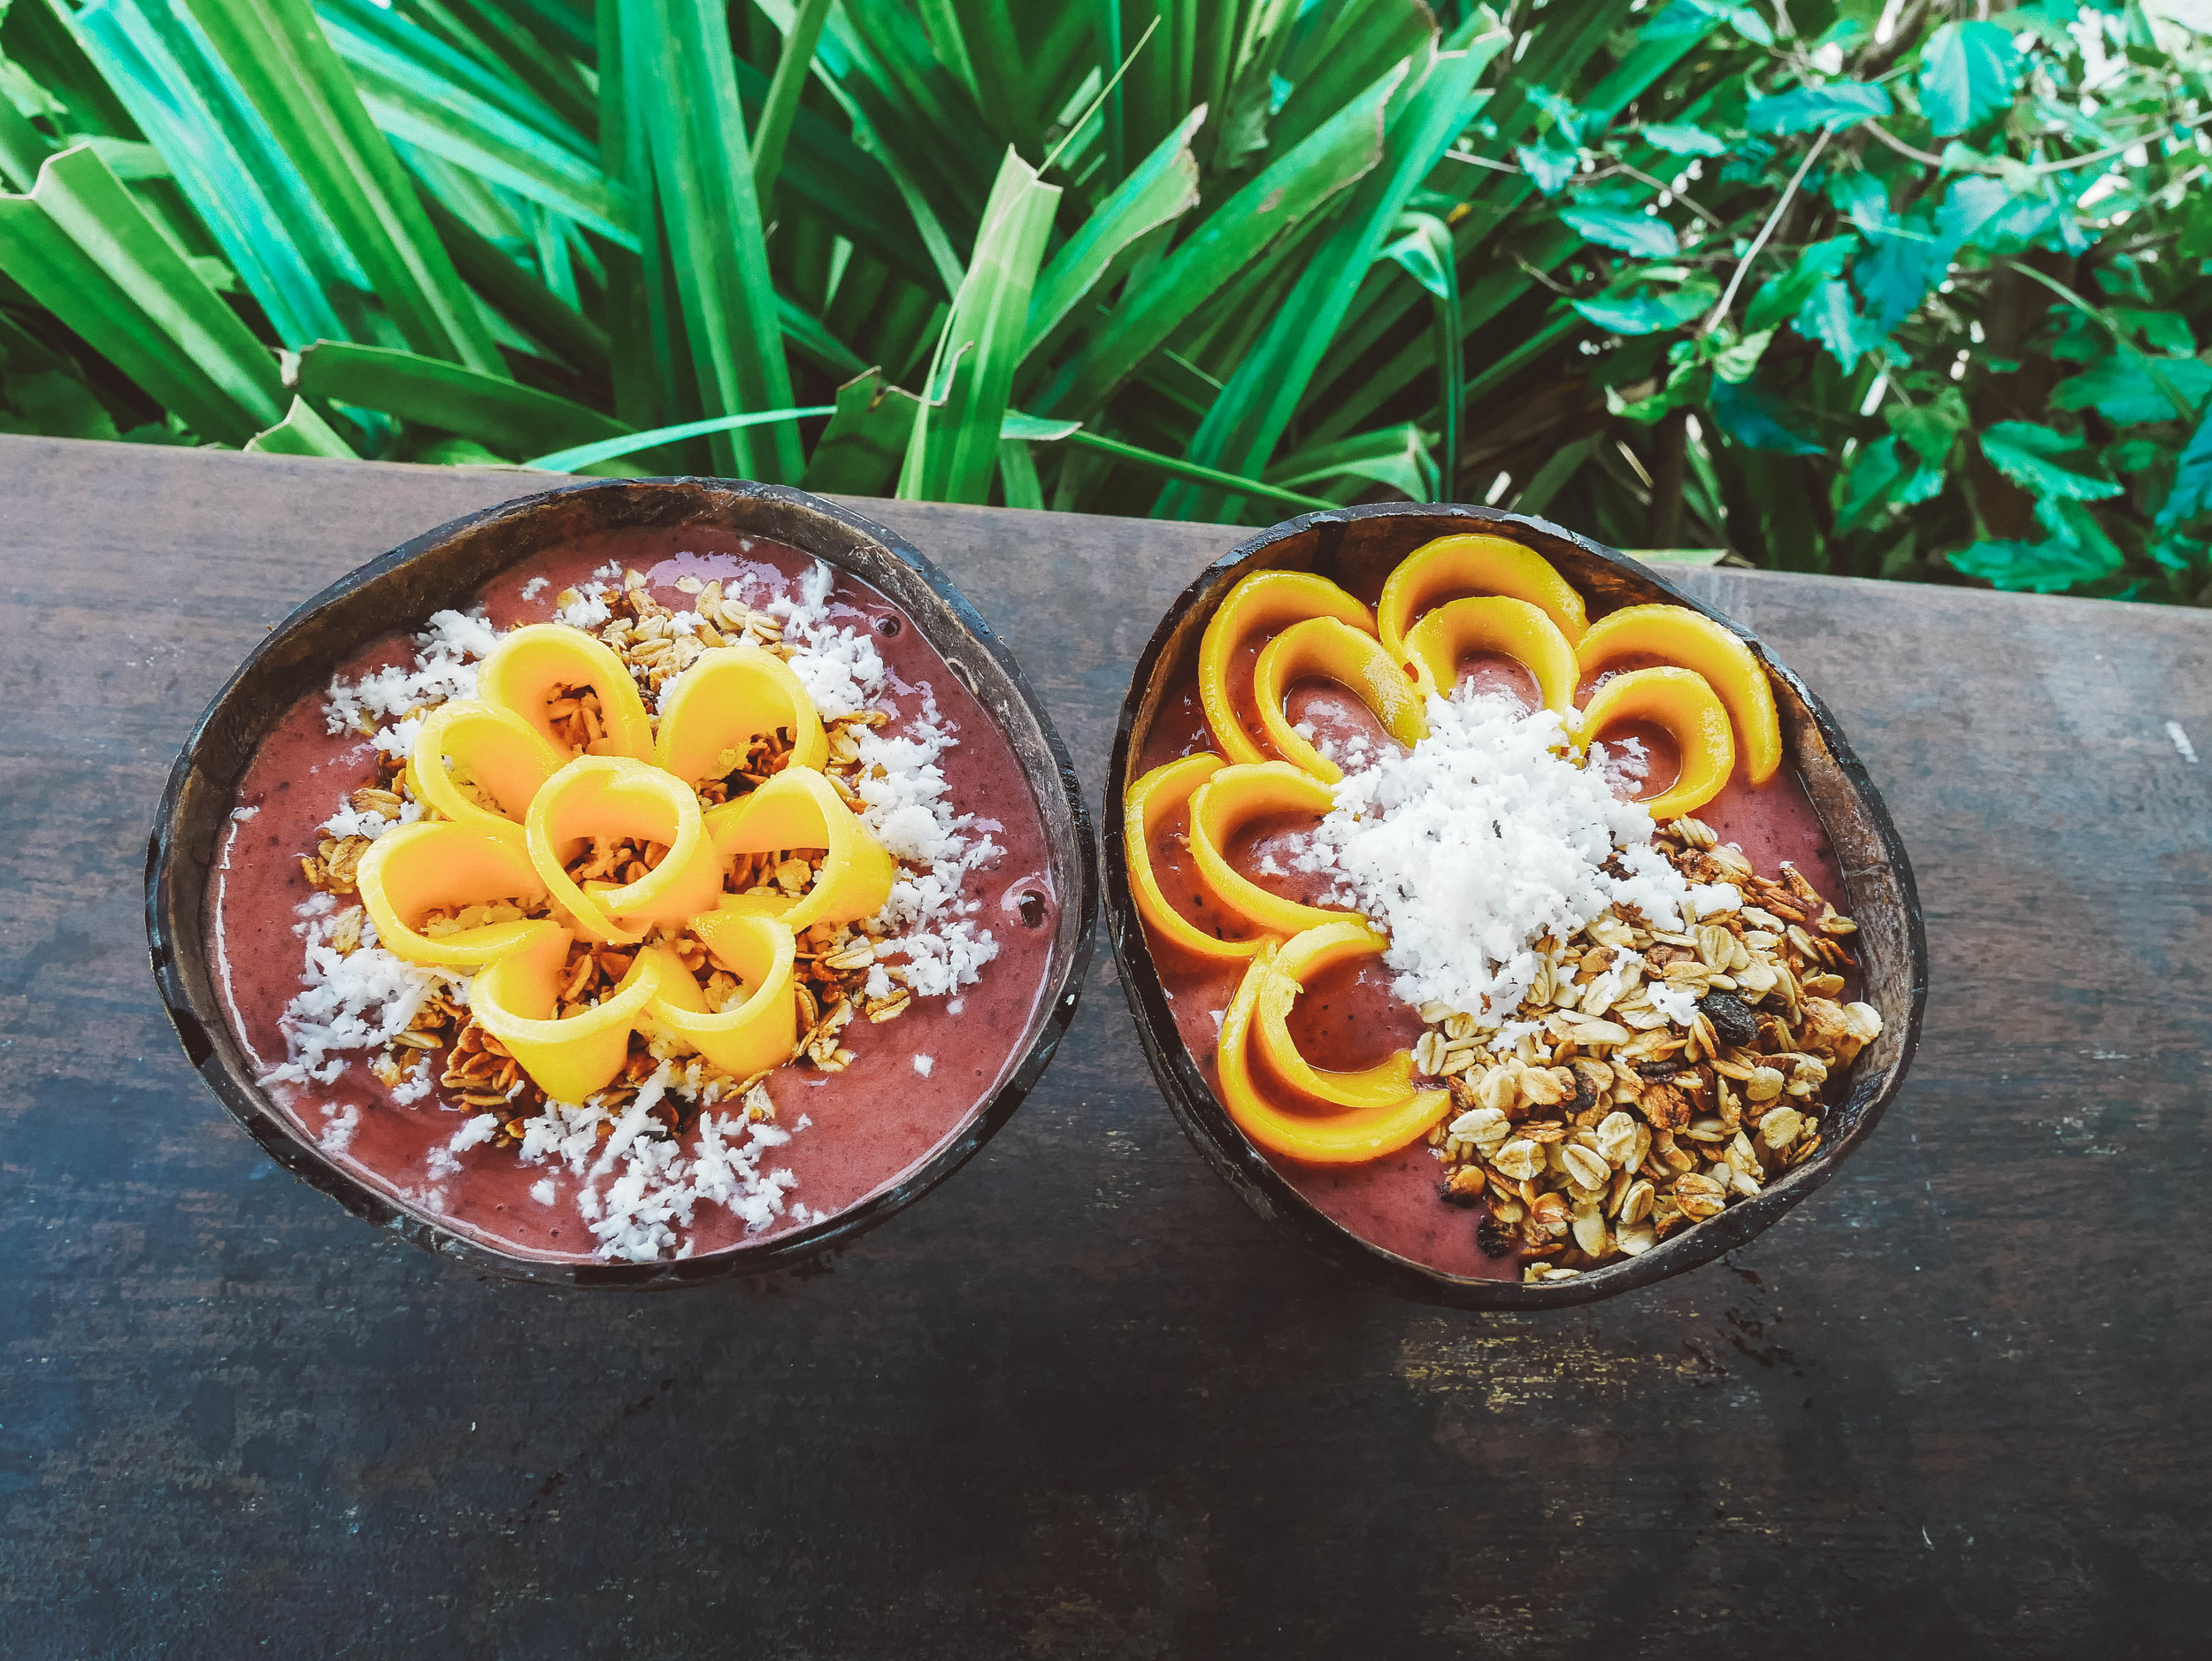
1079	1402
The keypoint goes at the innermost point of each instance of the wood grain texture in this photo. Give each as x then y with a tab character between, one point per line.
1079	1403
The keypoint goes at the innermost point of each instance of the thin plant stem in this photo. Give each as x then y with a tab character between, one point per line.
1743	267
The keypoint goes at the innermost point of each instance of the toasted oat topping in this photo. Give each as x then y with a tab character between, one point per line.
1594	1124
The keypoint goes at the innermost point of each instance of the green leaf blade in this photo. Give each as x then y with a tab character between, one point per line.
506	418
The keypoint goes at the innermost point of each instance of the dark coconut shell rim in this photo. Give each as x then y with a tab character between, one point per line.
448	566
1881	896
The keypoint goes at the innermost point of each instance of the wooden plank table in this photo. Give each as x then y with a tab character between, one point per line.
1079	1403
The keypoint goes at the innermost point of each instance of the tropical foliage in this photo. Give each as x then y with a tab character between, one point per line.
1887	286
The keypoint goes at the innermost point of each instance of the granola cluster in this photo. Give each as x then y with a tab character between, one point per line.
835	963
1604	1125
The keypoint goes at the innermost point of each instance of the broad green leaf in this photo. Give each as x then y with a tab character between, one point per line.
1781	298
1160	189
1757	422
1872	484
955	446
1644	314
811	336
1551	167
1397	457
1257	405
84	249
2191	497
1356	45
2178	553
54	405
832	176
1839	104
2124	387
1899	270
508	419
1678	140
516	294
536	63
1343	149
496	147
792	67
2046	463
1966	76
1932	427
1030	428
1194	472
1862	196
1829	317
367	35
1017	475
695	137
1643	235
2045	567
257	206
858	453
22	148
300	433
1427	255
1732	361
579	457
287	70
1745	21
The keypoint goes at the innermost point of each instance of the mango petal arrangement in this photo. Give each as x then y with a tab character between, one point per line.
1468	880
705	896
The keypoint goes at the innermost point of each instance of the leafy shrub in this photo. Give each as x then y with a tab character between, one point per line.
1886	288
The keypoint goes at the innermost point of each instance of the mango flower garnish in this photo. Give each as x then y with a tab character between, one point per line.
516	808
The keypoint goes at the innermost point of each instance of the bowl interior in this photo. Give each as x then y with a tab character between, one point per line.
1357	546
446	567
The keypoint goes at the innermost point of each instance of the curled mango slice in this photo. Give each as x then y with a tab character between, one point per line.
444	866
470	743
759	1032
1680	701
1264	601
728	697
533	663
608	796
1150	801
799	808
1232	799
1333	650
1514	628
1679	635
1300	959
1473	565
516	999
1351	1137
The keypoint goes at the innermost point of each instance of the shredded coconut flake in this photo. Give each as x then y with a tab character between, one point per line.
931	945
338	1133
1480	843
444	667
352	1001
924	1065
535	587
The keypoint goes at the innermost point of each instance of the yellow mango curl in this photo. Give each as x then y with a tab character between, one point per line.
1356	1117
509	806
